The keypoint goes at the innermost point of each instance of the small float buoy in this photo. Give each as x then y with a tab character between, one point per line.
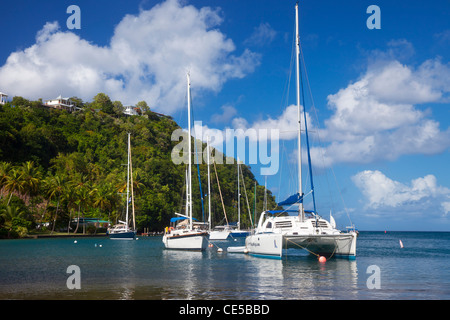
322	259
220	250
75	241
210	245
95	245
100	245
137	238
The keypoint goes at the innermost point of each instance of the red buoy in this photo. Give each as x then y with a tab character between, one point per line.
322	259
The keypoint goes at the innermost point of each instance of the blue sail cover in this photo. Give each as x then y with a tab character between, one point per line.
180	218
295	198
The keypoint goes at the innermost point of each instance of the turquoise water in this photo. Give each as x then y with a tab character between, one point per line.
143	269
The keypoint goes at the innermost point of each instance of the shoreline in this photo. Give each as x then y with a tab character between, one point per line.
38	236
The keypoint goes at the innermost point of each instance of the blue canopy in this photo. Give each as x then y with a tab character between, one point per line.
288	211
280	211
180	218
295	198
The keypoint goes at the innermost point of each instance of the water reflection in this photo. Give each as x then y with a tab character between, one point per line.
306	278
182	273
145	270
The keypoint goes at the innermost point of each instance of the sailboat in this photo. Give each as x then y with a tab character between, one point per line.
186	235
122	231
230	230
278	230
237	232
219	232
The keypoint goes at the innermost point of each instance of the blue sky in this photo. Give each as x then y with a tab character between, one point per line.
381	96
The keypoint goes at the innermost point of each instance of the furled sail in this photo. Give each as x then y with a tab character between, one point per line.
295	198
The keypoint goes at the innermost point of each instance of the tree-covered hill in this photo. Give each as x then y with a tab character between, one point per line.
56	166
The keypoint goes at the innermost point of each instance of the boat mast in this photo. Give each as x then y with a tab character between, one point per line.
128	179
189	190
131	182
301	213
209	186
239	199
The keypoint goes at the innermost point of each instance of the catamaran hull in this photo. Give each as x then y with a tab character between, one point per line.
130	235
271	245
265	245
342	245
195	242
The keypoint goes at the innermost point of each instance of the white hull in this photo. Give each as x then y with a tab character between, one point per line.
219	235
241	249
186	240
316	235
343	244
268	245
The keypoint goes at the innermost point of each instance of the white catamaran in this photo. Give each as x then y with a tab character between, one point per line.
122	231
277	230
186	235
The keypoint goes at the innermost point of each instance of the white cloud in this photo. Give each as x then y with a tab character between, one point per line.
286	123
262	35
397	83
228	112
147	59
49	28
446	207
375	118
421	195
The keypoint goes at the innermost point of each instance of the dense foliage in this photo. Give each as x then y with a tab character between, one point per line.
56	166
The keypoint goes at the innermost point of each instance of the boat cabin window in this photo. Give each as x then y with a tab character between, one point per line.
269	225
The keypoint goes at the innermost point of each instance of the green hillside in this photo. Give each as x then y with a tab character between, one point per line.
56	166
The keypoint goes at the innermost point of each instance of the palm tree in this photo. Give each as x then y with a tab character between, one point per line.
102	196
84	195
31	177
54	188
14	183
5	168
71	197
8	214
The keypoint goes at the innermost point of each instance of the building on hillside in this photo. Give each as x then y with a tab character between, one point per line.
61	103
131	111
3	98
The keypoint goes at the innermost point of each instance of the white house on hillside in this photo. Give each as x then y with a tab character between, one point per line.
3	97
130	111
61	103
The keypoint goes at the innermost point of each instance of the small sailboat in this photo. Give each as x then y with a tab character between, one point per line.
220	232
186	235
401	244
237	232
305	229
122	231
230	230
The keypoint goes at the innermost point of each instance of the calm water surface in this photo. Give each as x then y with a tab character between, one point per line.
143	269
